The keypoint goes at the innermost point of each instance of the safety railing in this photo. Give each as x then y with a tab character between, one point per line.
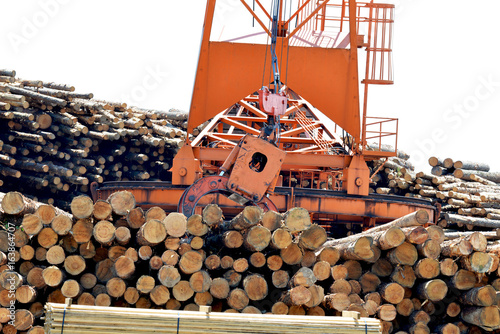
381	135
374	22
379	67
335	15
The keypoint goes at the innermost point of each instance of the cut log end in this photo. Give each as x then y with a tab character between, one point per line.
122	202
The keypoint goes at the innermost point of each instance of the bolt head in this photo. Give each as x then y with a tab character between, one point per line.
358	181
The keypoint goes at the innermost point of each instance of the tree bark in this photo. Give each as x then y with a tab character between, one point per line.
249	217
487	318
404	276
478	262
136	218
480	296
456	247
416	235
272	220
463	280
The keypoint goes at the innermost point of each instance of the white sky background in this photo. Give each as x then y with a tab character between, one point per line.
447	65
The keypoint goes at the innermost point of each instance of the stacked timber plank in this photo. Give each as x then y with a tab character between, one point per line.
86	319
111	253
54	142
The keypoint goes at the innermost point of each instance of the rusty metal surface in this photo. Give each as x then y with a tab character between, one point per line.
256	168
214	184
381	207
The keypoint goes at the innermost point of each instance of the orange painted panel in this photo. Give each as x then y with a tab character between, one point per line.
230	71
353	208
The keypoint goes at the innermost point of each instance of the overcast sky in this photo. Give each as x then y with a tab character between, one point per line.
447	73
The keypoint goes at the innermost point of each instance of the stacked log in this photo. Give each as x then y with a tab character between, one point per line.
403	273
467	192
55	141
394	176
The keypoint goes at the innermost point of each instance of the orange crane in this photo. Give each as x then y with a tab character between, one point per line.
293	130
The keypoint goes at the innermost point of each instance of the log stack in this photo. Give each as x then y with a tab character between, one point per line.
111	253
55	141
467	192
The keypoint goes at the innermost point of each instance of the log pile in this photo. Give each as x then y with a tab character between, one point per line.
467	192
111	253
55	141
